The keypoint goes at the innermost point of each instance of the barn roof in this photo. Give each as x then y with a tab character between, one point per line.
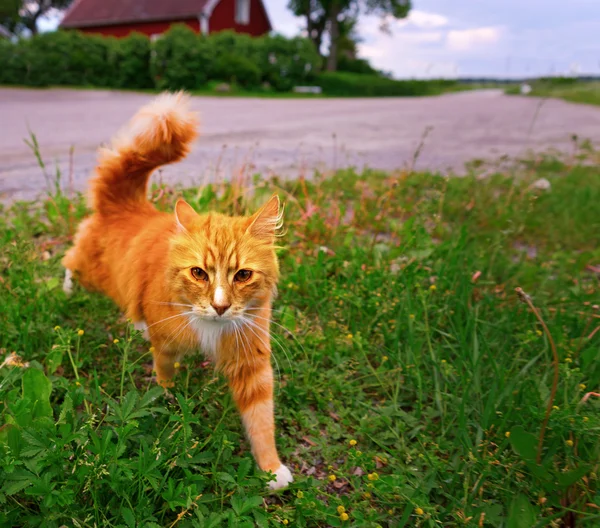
85	13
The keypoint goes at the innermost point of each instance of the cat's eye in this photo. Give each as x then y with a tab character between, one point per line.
199	274
243	275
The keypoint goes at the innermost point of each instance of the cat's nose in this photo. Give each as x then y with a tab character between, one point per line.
220	308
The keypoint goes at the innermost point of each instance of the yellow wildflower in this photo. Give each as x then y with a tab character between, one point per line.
300	495
411	316
344	517
341	509
582	386
433	287
373	476
352	442
151	350
57	328
555	407
569	443
80	332
585	418
331	478
419	511
115	341
507	434
177	364
286	522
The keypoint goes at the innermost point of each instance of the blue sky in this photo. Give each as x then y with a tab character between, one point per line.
478	37
451	38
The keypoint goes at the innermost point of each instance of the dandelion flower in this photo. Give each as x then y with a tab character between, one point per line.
569	443
419	511
433	287
341	509
80	332
344	517
555	407
177	364
286	522
115	341
331	478
352	442
57	328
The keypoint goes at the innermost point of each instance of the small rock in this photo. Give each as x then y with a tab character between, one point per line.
223	88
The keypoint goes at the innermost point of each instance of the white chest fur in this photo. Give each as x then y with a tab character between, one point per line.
209	336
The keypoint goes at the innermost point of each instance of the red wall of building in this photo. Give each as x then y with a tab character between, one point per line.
223	17
148	28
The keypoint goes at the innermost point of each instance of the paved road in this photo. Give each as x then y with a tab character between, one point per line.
285	136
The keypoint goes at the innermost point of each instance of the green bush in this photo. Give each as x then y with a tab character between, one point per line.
134	53
288	62
13	61
179	60
70	58
237	69
346	64
343	84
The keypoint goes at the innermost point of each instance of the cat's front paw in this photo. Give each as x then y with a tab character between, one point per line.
283	476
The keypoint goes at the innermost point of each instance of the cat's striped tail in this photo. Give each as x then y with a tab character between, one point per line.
160	133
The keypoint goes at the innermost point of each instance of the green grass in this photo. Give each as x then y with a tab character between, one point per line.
398	328
587	92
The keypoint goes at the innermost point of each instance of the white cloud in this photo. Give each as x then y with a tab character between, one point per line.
468	39
424	20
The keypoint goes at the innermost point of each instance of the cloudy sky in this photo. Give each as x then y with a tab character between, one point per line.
450	38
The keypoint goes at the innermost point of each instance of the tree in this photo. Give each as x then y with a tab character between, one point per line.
326	16
20	14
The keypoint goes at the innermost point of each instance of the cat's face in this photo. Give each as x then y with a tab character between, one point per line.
222	268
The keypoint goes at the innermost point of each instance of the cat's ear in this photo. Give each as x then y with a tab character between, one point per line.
184	214
267	220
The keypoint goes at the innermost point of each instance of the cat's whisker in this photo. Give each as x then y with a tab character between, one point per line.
251	323
172	304
287	330
191	312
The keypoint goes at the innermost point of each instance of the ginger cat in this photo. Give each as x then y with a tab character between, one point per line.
189	281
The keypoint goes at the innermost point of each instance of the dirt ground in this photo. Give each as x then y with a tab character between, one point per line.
285	136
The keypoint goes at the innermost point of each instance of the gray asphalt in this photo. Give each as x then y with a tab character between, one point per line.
287	137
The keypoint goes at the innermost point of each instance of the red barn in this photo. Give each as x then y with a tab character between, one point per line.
153	17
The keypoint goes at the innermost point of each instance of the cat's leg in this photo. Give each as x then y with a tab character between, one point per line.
164	366
68	282
253	394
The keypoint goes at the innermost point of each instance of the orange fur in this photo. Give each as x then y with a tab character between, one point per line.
196	281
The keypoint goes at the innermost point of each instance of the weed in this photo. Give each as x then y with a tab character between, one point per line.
412	385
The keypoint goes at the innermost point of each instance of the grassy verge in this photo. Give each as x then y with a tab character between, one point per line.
412	384
576	92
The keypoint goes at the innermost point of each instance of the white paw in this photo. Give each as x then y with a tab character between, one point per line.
283	478
68	283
